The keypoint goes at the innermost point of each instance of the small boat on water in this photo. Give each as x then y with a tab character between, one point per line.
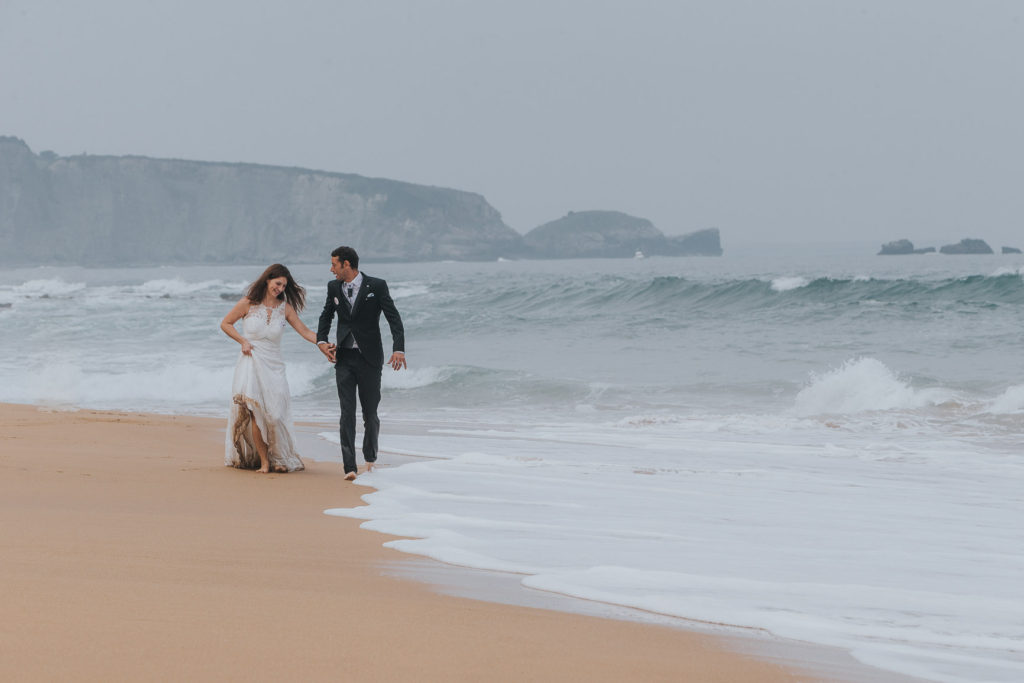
638	254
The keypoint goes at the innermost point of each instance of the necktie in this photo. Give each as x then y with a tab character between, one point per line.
350	292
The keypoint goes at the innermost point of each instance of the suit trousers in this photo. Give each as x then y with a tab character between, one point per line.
353	374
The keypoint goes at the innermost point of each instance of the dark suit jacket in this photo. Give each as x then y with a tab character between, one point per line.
363	321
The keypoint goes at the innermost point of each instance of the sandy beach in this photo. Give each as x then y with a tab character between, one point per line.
131	553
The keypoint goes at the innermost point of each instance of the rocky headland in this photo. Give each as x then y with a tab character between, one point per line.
611	234
131	210
113	210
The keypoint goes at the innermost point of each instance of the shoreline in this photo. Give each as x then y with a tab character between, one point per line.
828	662
133	552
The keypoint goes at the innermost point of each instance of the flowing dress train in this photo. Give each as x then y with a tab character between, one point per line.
260	392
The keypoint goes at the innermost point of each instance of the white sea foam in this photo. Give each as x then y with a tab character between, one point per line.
415	378
1011	401
1011	270
159	387
179	287
845	620
64	383
860	385
409	290
46	288
303	375
788	283
797	533
648	420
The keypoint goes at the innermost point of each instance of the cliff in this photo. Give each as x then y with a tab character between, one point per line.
106	210
611	234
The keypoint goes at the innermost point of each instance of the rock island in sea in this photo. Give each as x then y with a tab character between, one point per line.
902	247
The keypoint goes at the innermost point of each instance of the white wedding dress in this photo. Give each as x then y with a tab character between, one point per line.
260	391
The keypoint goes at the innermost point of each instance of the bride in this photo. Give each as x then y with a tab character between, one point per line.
260	423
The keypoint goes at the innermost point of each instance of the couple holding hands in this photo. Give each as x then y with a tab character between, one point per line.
259	434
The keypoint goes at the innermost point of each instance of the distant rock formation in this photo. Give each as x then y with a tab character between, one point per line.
897	248
902	247
612	234
129	210
967	246
1011	250
706	242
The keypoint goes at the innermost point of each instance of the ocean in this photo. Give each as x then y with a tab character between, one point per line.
814	441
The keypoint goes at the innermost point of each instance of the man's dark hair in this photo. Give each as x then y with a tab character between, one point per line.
347	254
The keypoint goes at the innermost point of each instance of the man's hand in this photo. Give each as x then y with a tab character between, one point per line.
397	360
328	350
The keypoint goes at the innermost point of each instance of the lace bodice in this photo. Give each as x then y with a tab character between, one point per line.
262	323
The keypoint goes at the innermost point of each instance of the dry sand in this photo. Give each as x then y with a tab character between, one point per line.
129	552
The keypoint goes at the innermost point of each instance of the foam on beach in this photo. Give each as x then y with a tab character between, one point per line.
826	448
786	532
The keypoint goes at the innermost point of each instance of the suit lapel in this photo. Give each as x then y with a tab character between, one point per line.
343	305
361	294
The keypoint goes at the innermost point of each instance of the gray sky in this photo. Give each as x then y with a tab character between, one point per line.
773	120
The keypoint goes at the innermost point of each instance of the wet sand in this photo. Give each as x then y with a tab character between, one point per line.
131	553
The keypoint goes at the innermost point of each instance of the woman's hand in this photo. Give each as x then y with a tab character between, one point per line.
228	324
328	350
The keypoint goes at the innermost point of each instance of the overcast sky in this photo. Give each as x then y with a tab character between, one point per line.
776	120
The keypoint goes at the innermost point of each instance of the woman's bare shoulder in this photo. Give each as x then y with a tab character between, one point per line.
242	306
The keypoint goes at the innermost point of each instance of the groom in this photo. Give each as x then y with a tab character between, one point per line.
358	300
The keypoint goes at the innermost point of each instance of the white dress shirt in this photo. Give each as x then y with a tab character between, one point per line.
350	290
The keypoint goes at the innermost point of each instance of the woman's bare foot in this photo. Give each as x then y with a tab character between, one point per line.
261	446
280	468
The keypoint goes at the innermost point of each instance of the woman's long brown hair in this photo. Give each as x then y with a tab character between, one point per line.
293	293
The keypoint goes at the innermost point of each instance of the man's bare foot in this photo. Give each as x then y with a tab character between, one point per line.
370	466
351	476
